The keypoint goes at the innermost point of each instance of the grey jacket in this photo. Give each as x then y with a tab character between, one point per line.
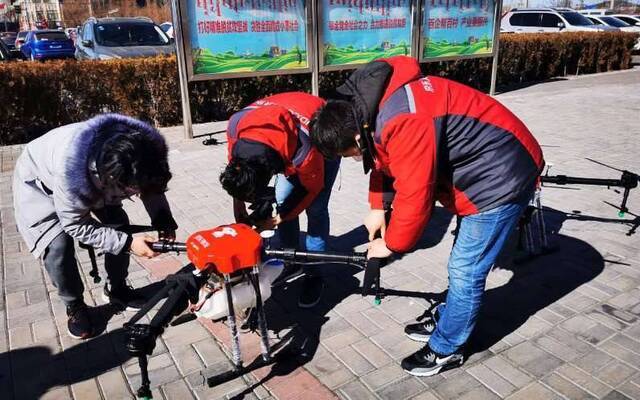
55	186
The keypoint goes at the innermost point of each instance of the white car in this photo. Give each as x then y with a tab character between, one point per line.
633	20
532	20
616	22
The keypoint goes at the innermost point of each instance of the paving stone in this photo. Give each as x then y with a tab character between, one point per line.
614	373
583	380
209	351
383	376
630	389
177	390
402	389
621	353
508	371
355	390
86	390
492	380
187	360
341	340
627	342
566	388
428	395
587	329
61	393
354	361
372	353
455	388
593	361
395	343
532	359
114	386
556	348
534	391
615	395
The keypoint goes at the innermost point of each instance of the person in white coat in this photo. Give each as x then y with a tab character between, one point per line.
68	185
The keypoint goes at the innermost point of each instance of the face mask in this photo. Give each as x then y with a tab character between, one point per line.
357	158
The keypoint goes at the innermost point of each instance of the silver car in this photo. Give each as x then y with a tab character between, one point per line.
110	38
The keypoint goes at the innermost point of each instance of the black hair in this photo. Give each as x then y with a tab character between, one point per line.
134	160
333	128
246	179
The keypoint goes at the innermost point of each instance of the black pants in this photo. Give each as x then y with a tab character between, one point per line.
63	269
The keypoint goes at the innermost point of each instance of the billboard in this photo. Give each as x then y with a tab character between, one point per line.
359	31
245	37
457	28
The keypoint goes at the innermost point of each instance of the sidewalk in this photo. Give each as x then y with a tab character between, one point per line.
561	326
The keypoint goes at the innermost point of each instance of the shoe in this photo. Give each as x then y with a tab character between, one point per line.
426	362
422	331
312	288
79	324
124	297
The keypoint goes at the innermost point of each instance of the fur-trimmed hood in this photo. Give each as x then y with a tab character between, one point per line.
88	142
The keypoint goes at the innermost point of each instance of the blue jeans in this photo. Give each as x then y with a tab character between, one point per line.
479	240
317	212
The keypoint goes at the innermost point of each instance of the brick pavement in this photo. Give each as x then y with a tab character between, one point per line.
562	326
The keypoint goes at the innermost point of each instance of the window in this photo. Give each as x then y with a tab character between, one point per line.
51	36
550	21
595	21
576	19
87	33
628	20
525	19
612	21
130	34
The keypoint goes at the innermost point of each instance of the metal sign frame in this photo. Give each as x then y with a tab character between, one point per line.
421	37
188	53
319	15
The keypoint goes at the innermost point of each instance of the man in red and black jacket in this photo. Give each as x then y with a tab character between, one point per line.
428	139
271	137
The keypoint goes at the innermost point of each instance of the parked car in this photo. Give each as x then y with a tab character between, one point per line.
167	27
5	53
9	39
22	35
108	38
596	11
531	20
618	23
633	20
47	44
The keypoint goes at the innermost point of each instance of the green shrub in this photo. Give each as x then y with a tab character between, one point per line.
36	97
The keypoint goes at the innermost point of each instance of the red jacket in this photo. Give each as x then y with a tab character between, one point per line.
282	123
436	139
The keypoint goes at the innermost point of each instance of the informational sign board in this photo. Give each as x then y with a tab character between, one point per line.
235	38
359	31
457	29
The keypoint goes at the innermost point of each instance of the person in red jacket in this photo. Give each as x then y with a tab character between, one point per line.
426	139
271	137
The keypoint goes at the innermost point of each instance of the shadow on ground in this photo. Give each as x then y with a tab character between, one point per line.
537	283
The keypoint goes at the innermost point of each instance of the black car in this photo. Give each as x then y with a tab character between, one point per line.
5	53
9	39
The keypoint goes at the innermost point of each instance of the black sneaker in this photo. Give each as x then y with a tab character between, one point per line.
125	297
79	324
312	288
426	362
422	331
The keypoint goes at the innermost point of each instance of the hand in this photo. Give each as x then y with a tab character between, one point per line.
378	249
268	224
374	222
140	246
168	235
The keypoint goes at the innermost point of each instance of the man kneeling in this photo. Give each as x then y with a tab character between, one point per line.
74	171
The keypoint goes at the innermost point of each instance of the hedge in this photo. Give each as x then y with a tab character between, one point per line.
36	97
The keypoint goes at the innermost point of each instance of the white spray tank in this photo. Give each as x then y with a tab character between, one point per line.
244	296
